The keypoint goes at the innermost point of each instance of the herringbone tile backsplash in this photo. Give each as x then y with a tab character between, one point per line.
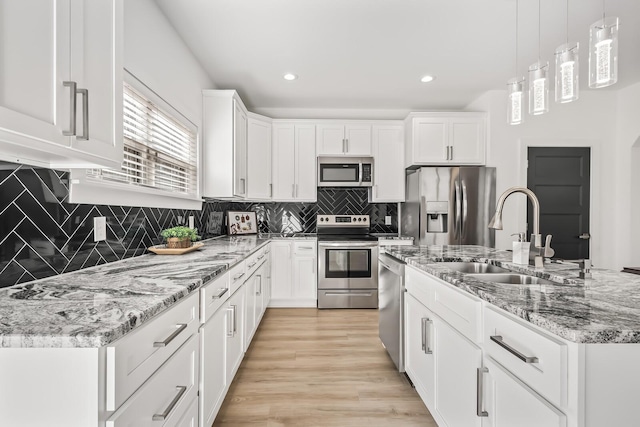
42	235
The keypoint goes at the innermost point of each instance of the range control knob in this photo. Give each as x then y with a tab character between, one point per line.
321	219
353	219
326	219
359	219
364	219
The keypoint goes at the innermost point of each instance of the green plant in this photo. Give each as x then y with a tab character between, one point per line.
181	233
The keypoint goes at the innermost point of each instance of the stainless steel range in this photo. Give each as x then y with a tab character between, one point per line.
347	262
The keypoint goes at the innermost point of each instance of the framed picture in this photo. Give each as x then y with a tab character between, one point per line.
241	223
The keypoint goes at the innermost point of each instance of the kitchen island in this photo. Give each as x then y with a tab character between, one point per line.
561	353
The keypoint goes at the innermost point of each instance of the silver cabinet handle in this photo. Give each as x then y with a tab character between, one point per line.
376	190
293	190
446	152
584	236
343	145
261	256
347	150
252	264
270	190
259	290
72	116
237	276
243	181
526	359
229	322
85	114
179	328
235	319
296	185
165	414
221	292
352	293
306	248
480	393
425	336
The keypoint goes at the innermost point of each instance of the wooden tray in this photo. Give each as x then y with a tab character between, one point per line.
163	250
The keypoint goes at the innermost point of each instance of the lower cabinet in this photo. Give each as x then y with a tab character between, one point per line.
419	357
213	382
294	273
235	330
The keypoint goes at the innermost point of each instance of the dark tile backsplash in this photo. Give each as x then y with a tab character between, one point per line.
43	235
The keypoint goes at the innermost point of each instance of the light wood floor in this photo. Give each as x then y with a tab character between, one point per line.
309	367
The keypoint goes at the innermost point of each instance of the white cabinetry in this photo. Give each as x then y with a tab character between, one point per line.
259	186
61	97
419	357
445	138
336	139
235	331
294	162
388	154
293	273
225	144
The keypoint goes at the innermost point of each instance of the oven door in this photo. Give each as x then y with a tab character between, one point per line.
347	265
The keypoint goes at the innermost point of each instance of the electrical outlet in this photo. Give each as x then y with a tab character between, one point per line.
192	222
99	228
387	220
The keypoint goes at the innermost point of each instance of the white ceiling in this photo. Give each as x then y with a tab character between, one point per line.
370	54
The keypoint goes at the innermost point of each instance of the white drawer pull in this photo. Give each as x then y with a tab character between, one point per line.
179	328
221	292
163	416
526	359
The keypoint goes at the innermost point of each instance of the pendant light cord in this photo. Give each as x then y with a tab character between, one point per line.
517	2
539	8
567	24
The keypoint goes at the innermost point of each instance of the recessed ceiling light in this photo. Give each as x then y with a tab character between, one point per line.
290	76
427	79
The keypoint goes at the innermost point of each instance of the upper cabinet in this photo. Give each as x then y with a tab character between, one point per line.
445	138
224	152
338	139
388	154
61	97
259	185
294	162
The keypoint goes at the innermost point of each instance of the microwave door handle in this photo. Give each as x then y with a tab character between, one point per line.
360	174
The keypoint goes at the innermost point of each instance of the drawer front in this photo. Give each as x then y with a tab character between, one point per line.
545	366
459	310
213	296
416	284
167	396
304	247
348	298
136	356
237	276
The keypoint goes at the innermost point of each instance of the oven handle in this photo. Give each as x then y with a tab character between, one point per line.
347	244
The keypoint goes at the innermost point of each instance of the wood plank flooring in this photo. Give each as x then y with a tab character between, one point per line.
309	367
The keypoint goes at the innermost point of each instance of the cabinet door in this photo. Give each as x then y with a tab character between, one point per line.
388	174
240	150
306	187
34	52
358	140
235	331
467	140
284	158
430	140
419	357
249	309
331	139
259	160
456	363
304	278
212	365
509	402
281	267
266	282
96	65
259	292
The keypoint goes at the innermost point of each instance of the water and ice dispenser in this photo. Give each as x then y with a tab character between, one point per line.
437	217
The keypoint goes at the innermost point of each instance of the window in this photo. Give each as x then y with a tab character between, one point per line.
159	151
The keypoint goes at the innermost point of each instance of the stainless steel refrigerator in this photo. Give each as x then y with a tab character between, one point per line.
450	205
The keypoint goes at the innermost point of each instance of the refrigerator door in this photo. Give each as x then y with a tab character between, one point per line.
477	204
410	211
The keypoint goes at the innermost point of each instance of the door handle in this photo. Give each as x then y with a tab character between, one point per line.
85	114
463	219
72	116
480	392
584	236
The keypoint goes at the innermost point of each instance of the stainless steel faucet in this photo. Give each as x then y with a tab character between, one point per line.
536	238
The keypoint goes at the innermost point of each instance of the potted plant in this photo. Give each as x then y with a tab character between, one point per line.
180	237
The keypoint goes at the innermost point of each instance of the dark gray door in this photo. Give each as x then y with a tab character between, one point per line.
560	178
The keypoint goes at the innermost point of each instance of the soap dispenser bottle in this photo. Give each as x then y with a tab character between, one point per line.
521	249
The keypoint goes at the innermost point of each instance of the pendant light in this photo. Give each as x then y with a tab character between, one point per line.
603	51
567	70
515	90
538	82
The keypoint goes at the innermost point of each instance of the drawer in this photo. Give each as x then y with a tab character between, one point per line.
348	298
457	308
416	284
304	247
135	357
255	261
237	276
166	398
514	341
213	295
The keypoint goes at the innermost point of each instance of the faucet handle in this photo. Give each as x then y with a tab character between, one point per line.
548	251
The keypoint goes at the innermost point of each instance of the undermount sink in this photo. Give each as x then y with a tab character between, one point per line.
473	267
512	279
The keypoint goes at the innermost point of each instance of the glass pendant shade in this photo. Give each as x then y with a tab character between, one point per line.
515	100
567	70
538	88
603	52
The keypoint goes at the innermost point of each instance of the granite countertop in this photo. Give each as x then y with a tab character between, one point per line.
604	309
96	306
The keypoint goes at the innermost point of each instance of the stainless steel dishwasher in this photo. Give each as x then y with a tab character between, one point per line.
391	307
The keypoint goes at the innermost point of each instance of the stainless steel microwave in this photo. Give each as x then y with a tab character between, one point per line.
345	171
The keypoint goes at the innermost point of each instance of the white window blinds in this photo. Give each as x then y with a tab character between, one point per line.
159	150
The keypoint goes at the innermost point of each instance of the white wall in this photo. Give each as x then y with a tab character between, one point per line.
590	122
156	55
